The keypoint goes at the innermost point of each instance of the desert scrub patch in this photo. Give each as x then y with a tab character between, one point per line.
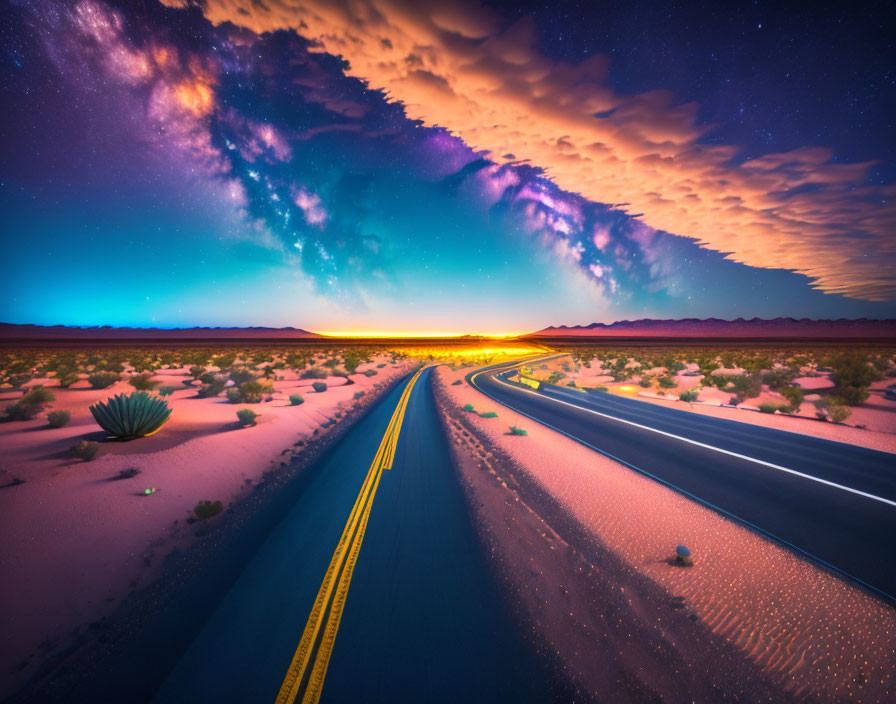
56	419
768	407
358	395
103	380
468	407
488	414
167	390
143	382
208	509
296	399
246	417
688	396
514	430
319	386
85	450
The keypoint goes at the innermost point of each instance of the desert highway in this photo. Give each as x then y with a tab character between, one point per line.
373	588
832	501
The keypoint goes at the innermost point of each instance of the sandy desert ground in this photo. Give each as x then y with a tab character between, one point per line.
765	617
76	539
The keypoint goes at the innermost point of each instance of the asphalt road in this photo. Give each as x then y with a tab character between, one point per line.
378	572
832	501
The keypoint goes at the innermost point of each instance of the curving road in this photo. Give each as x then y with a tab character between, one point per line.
373	588
832	501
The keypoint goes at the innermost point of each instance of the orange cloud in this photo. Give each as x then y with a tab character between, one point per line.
452	65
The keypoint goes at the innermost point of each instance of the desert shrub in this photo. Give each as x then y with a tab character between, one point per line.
253	391
319	386
166	390
689	396
488	414
233	395
208	378
469	408
246	416
85	450
23	411
314	373
514	430
143	382
66	378
57	419
196	371
768	407
208	509
131	415
380	366
457	383
644	383
297	399
555	377
30	405
666	382
225	360
794	396
37	396
370	372
358	394
212	389
103	380
127	473
838	410
852	375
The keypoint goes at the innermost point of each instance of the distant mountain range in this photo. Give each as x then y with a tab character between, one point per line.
9	331
716	327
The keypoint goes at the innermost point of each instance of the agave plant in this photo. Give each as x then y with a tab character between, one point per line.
132	415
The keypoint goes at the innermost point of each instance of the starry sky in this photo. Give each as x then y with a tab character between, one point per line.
455	167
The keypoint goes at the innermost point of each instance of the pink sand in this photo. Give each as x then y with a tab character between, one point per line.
819	636
75	543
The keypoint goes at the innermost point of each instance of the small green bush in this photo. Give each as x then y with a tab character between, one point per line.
314	373
768	407
688	396
644	383
457	383
488	414
85	450
518	431
319	386
23	411
66	378
143	382
469	408
197	371
370	372
296	399
253	391
241	376
167	390
37	396
246	416
666	382
208	509
57	419
103	380
358	394
212	389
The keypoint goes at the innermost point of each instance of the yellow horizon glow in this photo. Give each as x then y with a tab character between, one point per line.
413	334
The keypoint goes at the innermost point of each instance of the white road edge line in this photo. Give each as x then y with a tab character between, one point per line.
778	467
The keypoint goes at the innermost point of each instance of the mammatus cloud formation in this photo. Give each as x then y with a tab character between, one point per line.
451	64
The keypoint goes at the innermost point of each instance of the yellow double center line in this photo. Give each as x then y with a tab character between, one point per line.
306	672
